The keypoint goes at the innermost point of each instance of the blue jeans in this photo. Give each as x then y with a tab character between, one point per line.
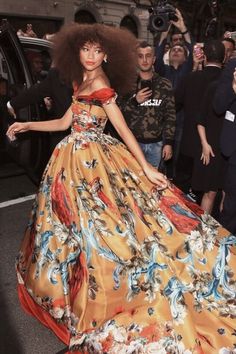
152	152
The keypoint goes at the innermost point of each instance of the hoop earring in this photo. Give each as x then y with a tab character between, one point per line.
105	60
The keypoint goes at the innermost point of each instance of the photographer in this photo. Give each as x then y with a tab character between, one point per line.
180	54
180	64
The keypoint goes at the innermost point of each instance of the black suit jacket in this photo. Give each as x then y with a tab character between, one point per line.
225	100
60	94
52	87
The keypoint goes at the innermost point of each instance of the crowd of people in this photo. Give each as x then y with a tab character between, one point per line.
198	167
195	162
115	257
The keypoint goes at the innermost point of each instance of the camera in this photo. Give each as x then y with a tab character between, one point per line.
160	17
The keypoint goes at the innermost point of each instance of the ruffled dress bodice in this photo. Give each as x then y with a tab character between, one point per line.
88	112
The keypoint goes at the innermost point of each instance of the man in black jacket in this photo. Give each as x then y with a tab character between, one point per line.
225	101
52	87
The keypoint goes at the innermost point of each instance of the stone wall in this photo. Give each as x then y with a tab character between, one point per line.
54	13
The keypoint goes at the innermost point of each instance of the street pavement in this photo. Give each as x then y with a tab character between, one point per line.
19	332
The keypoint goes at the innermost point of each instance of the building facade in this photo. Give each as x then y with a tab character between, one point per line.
47	16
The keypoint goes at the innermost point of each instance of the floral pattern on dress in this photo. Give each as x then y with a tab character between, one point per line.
117	265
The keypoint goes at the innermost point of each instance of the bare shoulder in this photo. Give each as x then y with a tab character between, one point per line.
100	82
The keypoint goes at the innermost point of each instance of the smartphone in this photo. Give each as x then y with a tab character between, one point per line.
146	84
198	50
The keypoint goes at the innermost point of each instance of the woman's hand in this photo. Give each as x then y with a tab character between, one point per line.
207	153
158	178
18	127
167	152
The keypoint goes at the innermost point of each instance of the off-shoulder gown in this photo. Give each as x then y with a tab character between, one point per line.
111	264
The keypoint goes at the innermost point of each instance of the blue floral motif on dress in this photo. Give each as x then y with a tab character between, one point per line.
174	292
219	271
189	257
89	232
62	269
42	246
141	271
164	222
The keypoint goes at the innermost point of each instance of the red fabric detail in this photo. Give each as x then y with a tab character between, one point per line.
79	275
32	308
191	205
103	94
183	223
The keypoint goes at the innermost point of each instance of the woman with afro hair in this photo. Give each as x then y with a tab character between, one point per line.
114	258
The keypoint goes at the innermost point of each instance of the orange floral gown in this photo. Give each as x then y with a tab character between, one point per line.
111	264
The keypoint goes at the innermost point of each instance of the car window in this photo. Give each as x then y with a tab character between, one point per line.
11	67
39	60
16	76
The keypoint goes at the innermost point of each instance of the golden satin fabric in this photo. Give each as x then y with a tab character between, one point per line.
111	264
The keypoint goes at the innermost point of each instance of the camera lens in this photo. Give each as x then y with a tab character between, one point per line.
161	15
158	22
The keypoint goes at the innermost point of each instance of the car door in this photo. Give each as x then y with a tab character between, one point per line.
28	149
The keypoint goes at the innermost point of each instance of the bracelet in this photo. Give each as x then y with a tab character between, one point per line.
184	32
9	106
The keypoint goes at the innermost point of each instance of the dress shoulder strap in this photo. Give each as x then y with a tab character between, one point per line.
105	95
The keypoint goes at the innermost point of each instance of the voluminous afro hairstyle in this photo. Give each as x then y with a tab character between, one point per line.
120	45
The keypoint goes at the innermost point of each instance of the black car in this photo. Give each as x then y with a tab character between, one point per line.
16	75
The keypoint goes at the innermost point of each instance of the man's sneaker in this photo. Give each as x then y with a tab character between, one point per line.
191	196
